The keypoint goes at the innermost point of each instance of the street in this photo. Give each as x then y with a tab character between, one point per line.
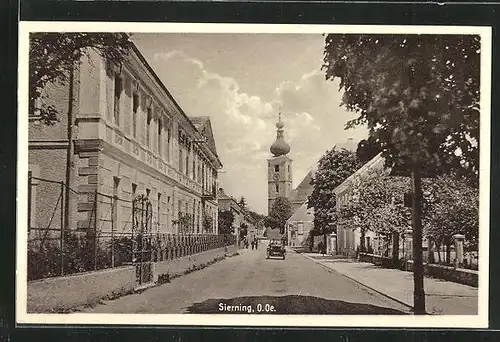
249	282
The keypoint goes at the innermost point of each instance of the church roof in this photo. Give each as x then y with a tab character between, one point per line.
302	214
303	190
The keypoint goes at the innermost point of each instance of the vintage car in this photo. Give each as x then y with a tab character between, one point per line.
276	249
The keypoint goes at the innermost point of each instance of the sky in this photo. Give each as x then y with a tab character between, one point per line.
242	81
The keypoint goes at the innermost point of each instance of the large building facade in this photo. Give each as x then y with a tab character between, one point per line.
120	135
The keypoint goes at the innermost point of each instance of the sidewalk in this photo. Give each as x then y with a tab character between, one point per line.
442	297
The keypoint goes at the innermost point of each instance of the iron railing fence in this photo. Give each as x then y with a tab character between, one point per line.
116	232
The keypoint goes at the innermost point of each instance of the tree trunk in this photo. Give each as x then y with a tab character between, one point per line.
362	247
430	251
448	253
395	249
324	243
418	266
438	247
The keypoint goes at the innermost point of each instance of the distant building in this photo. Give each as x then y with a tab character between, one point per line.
228	203
299	225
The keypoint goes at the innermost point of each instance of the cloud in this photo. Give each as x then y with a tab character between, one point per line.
244	124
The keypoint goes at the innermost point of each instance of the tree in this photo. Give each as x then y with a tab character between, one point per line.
367	149
53	57
453	209
243	204
270	222
333	168
281	212
225	221
208	223
379	206
243	230
419	97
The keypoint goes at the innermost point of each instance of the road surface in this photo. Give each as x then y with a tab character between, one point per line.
250	282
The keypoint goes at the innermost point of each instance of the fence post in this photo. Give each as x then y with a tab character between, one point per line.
95	230
114	202
62	228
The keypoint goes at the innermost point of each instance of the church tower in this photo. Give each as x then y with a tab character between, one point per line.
279	168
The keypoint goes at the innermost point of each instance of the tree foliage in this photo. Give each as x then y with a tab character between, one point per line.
418	94
453	209
243	230
367	149
333	168
53	56
207	223
225	222
379	203
281	212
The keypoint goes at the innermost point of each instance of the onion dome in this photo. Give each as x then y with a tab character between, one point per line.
279	147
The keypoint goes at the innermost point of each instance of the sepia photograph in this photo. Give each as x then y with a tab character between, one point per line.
253	175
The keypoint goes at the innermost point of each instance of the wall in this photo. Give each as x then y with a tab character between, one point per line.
458	275
65	293
462	276
180	265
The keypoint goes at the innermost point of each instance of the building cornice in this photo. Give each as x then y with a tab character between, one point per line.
47	144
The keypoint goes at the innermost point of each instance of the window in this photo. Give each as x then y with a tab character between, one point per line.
114	221
300	228
277	188
148	127
135	106
193	176
158	210
134	191
168	213
34	106
203	176
116	102
276	168
181	156
187	162
160	129
288	168
167	147
148	191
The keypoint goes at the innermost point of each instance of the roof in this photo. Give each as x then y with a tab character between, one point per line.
302	214
301	193
204	126
199	121
376	162
273	233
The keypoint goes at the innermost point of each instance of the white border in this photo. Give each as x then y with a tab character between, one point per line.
449	321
